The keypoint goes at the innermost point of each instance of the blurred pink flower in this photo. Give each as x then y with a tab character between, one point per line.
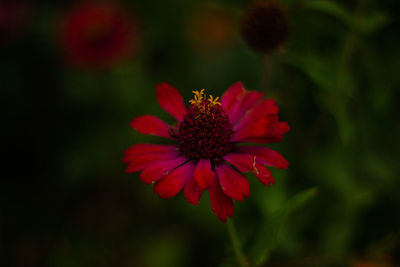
98	35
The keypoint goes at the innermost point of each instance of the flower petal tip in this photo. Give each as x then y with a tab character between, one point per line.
150	125
170	100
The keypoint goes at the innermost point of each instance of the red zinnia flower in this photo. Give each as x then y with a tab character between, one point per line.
98	35
207	154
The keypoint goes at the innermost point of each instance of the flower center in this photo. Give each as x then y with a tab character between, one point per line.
205	131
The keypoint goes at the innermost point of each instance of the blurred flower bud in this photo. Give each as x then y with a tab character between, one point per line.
265	27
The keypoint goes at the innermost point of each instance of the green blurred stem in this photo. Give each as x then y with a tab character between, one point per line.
266	72
350	44
236	244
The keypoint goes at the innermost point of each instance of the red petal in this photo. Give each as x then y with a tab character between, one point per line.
234	184
231	96
244	104
266	156
264	175
267	106
171	100
243	162
282	128
173	183
141	156
139	149
221	204
263	130
149	124
160	169
250	163
270	135
193	191
203	174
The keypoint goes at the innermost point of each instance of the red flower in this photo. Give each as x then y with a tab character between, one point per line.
98	35
207	154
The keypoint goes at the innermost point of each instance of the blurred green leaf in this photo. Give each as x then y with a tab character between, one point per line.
301	199
336	87
345	125
267	237
371	23
366	24
165	251
330	8
320	70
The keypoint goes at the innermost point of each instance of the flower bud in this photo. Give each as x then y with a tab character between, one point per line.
265	27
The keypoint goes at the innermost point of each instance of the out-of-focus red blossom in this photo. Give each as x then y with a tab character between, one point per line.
208	153
99	35
211	29
14	15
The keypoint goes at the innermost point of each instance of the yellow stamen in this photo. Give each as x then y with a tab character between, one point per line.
199	99
213	101
204	105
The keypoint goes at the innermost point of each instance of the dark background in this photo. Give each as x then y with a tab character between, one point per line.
66	201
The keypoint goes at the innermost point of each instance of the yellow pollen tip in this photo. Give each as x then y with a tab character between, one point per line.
199	99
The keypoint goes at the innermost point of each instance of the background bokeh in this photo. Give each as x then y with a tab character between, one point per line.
66	201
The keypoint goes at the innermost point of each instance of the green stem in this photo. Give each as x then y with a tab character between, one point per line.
266	72
350	43
343	91
236	245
